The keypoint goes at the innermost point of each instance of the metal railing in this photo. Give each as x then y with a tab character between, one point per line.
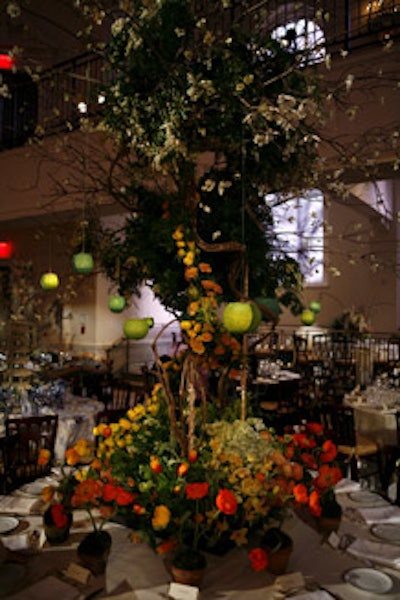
335	24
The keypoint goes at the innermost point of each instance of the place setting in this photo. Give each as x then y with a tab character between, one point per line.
369	579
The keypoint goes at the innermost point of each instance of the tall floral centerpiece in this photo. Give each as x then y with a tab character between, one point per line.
206	115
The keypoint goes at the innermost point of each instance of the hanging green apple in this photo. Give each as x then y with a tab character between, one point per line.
136	329
49	281
241	317
315	306
83	262
116	303
307	317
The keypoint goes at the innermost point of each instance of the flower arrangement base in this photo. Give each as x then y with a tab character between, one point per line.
188	568
326	525
54	533
188	576
279	547
93	551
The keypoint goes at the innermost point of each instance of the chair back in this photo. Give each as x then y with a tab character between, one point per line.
110	415
7	445
30	434
340	424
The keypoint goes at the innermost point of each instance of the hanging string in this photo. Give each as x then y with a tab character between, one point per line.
50	250
244	285
83	109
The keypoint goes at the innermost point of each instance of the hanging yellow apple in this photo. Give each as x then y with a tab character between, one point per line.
116	303
49	281
83	262
307	317
136	329
241	317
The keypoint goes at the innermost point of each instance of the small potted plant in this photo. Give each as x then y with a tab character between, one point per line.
188	566
57	521
279	546
331	513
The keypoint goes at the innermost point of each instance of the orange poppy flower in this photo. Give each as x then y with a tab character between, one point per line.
226	502
197	491
44	457
300	493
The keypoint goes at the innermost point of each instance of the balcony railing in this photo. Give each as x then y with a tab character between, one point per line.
335	24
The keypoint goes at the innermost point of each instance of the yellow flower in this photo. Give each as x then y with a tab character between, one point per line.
186	325
161	517
178	234
239	536
153	409
137	412
189	259
251	486
125	424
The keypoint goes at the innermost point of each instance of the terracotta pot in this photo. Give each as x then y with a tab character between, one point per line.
93	551
328	524
279	547
188	576
279	559
188	567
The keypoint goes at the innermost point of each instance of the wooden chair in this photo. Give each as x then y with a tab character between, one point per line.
109	415
392	462
358	452
278	404
29	435
7	444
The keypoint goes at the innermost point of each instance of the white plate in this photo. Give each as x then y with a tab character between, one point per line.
8	523
11	577
390	532
366	497
369	580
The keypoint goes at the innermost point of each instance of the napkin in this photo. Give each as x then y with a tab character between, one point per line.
380	514
385	554
316	595
20	505
346	486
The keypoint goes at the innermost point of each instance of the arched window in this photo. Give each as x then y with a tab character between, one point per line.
298	225
303	35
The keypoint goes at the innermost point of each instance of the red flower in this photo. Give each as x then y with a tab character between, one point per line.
60	519
226	502
87	492
315	428
302	440
123	497
259	559
155	465
328	476
109	492
197	491
183	468
314	504
329	451
300	493
193	456
309	460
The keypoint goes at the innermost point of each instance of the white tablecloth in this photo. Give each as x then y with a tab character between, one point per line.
227	577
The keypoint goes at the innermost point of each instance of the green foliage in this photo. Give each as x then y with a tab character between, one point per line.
207	118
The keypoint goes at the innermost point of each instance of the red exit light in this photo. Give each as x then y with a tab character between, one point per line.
6	250
6	62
